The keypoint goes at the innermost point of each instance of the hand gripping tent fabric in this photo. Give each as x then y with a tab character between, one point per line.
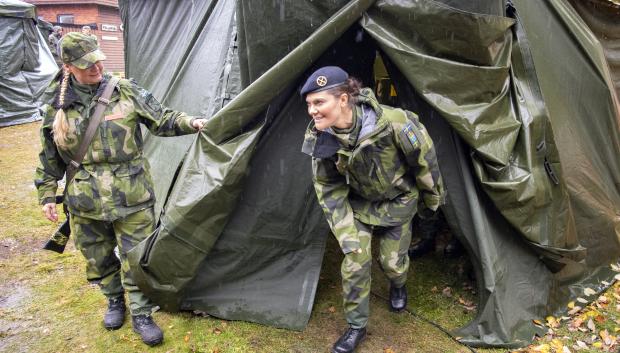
526	128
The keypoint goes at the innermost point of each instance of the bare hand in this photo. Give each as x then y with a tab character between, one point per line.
199	123
49	210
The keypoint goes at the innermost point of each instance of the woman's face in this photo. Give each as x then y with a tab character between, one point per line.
326	109
89	76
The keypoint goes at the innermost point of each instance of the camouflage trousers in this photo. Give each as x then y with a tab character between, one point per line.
97	240
393	245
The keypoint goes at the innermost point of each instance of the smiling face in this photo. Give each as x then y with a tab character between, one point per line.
89	76
328	110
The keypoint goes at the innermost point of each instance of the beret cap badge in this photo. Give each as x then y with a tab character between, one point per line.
323	79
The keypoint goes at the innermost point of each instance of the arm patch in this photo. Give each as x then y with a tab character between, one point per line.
152	103
410	133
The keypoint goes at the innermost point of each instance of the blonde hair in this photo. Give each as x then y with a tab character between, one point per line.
61	127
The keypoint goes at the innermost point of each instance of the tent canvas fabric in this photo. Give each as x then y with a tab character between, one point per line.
525	125
26	64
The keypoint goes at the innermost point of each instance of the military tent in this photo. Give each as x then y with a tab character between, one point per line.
26	64
518	97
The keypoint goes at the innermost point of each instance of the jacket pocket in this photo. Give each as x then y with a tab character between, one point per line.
82	192
133	184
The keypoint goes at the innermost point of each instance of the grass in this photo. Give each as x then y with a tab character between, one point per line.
46	305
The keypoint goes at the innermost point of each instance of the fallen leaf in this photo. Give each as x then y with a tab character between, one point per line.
539	323
600	319
217	331
617	277
576	322
552	322
592	313
571	305
469	307
574	310
605	283
597	344
388	350
615	267
589	291
614	340
435	289
556	344
583	301
591	325
447	292
605	337
603	299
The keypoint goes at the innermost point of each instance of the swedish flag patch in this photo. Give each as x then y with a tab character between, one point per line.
410	133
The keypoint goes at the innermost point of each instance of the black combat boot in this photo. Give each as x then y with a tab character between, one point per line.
453	249
421	248
147	329
115	315
398	298
349	340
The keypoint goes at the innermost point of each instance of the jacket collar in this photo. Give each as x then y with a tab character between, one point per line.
70	95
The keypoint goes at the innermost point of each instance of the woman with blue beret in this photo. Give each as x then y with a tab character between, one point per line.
374	167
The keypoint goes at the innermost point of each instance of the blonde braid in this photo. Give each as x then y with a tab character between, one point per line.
61	125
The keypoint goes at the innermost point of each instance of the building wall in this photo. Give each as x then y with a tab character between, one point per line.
88	13
111	42
113	3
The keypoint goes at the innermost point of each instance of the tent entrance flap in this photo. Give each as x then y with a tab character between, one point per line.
482	85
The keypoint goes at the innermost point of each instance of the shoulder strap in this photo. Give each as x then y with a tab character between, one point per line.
95	120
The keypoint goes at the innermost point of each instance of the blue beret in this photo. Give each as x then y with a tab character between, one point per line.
324	78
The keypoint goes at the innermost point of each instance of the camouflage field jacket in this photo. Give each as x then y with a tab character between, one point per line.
114	178
379	178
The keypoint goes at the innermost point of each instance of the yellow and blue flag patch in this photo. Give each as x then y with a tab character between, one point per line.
410	133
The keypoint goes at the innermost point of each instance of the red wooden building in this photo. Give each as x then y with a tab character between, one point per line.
101	15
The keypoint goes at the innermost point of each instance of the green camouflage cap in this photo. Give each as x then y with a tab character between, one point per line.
80	50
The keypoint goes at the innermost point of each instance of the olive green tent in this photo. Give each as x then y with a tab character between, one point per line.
518	96
26	64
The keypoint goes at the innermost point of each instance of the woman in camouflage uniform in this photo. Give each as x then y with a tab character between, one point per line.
110	199
373	167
